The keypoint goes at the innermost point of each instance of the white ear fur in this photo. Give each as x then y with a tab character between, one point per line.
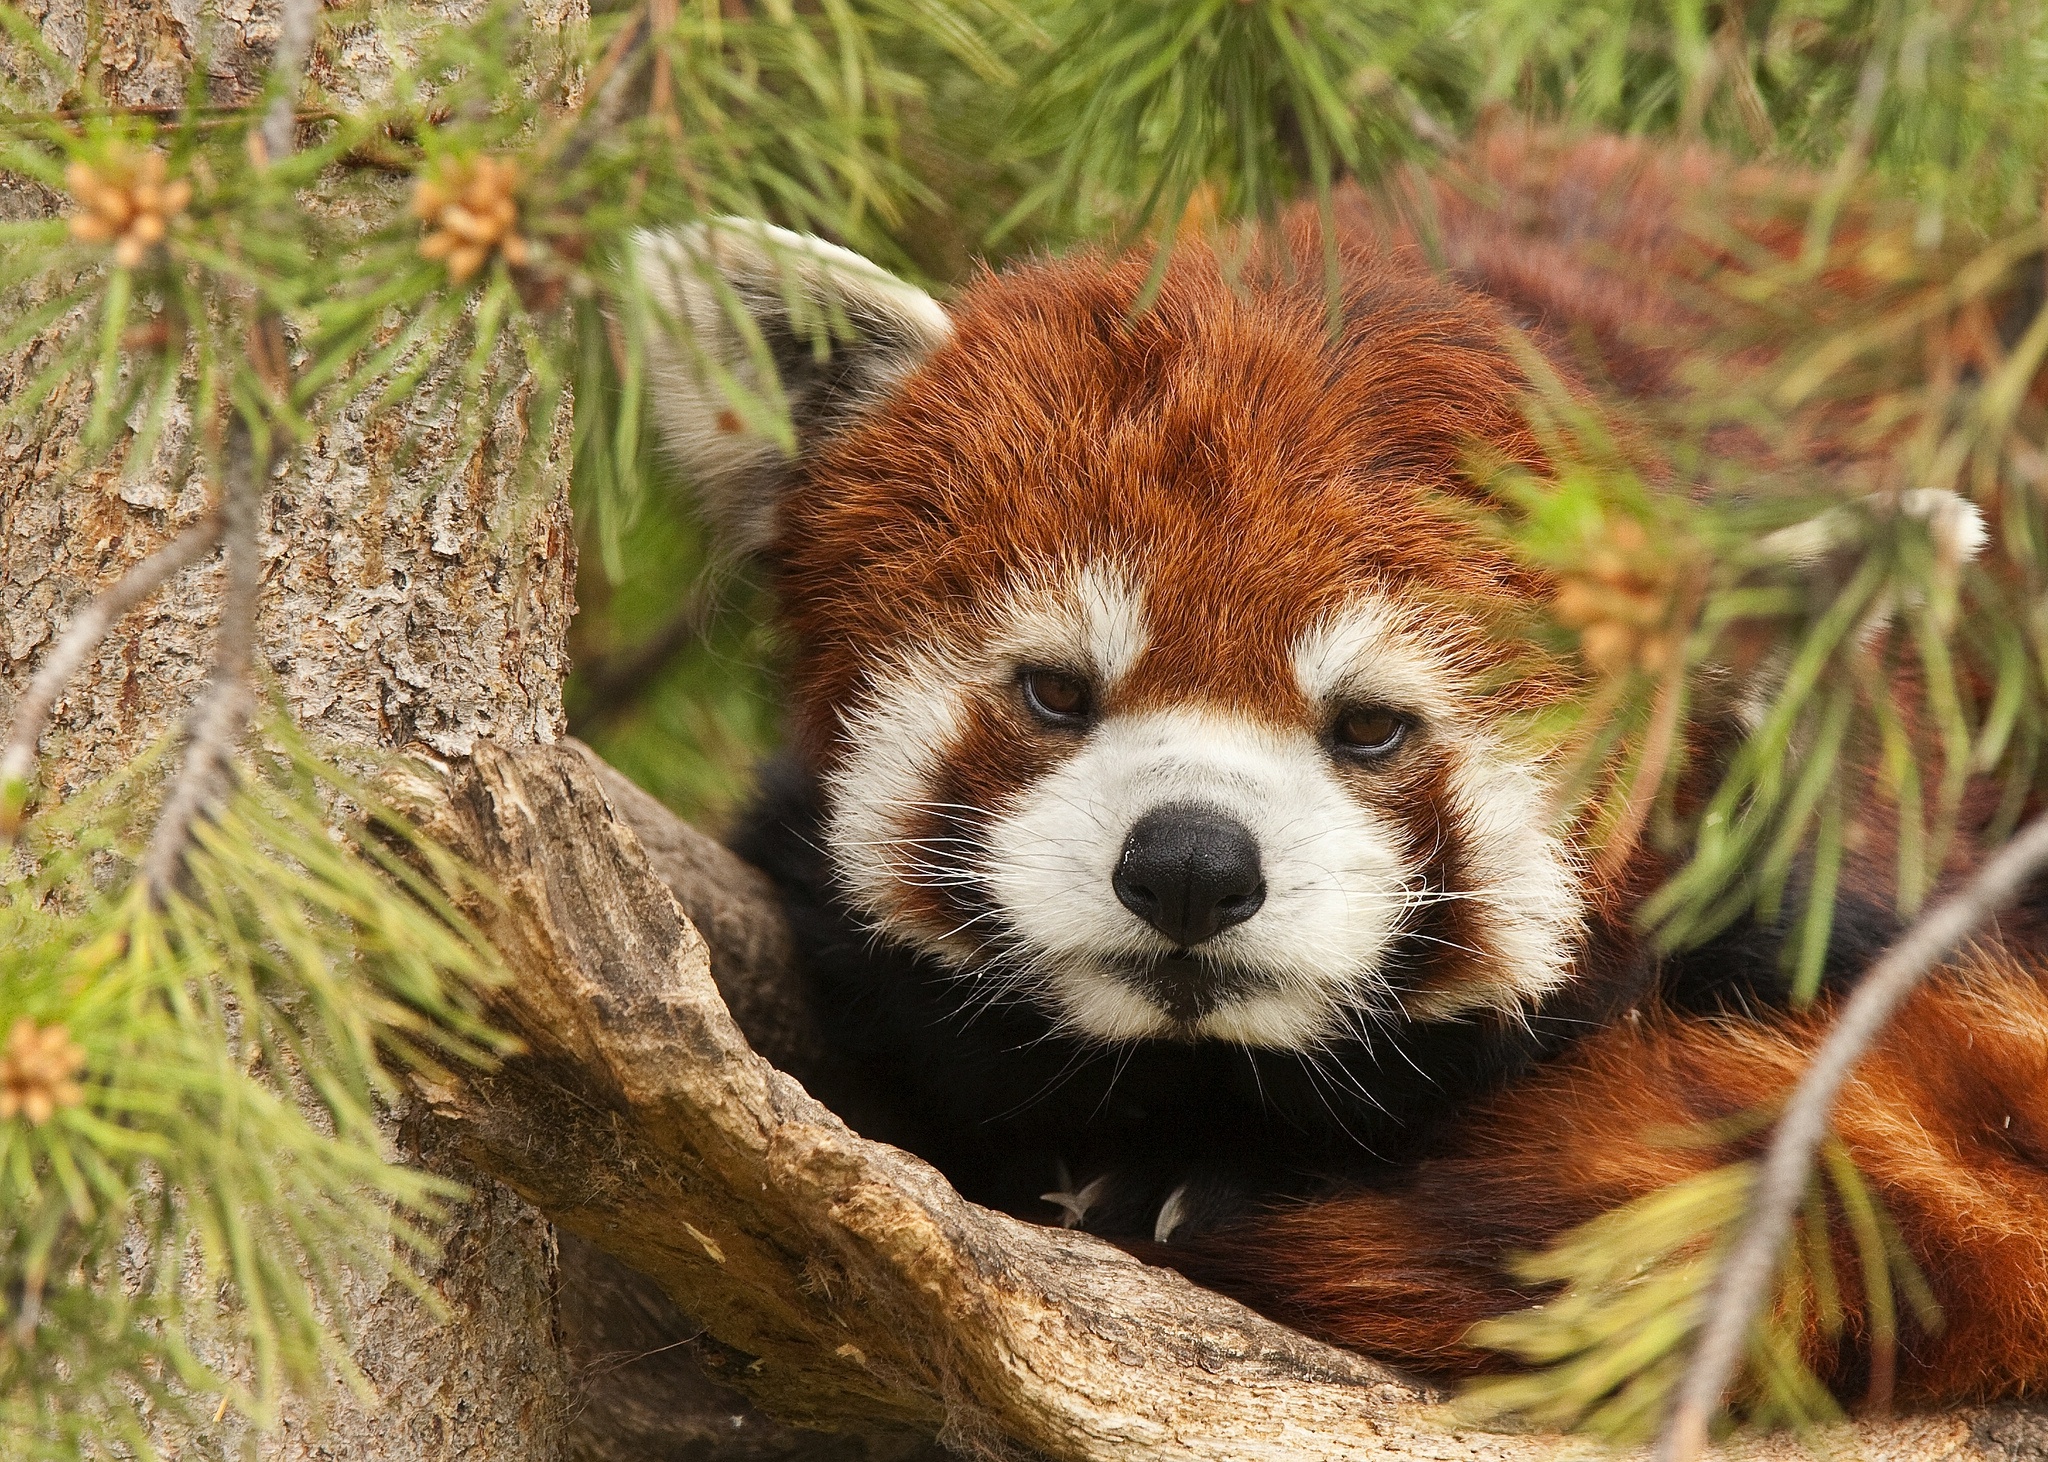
795	290
1955	524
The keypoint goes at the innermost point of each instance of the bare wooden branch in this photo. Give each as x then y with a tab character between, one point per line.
80	637
847	1286
1745	1274
732	904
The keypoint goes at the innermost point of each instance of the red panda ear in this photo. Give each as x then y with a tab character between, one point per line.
741	311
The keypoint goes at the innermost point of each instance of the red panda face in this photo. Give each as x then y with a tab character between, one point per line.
1148	672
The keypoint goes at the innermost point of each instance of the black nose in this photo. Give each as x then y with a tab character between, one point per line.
1190	872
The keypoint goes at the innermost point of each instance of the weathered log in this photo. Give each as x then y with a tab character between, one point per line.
848	1287
645	1388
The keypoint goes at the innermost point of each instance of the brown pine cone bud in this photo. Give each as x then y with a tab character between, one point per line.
39	1071
128	200
471	208
1621	603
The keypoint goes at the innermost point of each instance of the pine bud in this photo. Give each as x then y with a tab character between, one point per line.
471	209
39	1071
128	200
1621	600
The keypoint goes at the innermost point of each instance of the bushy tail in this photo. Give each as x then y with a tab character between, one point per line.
1947	1121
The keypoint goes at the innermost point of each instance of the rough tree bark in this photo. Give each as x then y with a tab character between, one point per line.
397	613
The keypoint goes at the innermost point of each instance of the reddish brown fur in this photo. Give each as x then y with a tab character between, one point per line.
1182	439
1263	473
1404	1274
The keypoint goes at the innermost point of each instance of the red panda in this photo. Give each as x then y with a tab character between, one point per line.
1151	823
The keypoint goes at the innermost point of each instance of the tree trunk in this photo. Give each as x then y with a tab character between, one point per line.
397	614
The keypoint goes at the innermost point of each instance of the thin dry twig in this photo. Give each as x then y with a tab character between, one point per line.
297	26
80	637
612	79
222	710
661	21
1745	1274
218	718
223	114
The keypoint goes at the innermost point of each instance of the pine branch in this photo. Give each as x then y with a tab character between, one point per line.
217	720
1745	1274
80	637
613	81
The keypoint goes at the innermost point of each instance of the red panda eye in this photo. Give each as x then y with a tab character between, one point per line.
1057	698
1369	731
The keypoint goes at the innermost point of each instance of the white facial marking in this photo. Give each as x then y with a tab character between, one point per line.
1366	653
1093	623
1091	1000
1526	907
900	735
1523	899
1283	1020
1334	877
1341	886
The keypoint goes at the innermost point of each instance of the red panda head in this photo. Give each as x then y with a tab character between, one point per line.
1147	672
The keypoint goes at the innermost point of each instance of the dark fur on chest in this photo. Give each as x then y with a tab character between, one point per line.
1010	1109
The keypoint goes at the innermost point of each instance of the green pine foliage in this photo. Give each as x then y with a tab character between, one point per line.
177	1238
1628	1288
1140	109
448	247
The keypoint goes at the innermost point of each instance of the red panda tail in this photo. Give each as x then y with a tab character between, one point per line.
1947	1119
